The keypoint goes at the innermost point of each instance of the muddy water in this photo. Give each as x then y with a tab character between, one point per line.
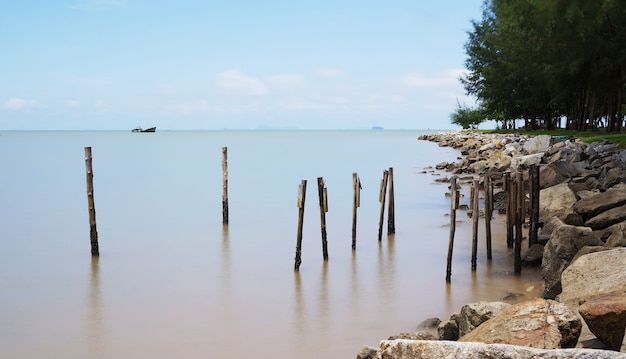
171	281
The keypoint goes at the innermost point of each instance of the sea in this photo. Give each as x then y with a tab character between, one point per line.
172	281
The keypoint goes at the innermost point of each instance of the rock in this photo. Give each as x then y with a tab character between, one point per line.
544	234
448	330
607	218
533	256
474	314
594	274
555	173
537	323
565	241
367	352
537	144
525	161
442	165
430	323
574	219
605	316
556	201
588	250
407	349
615	235
594	205
413	336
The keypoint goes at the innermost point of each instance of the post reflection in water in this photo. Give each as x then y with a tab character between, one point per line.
386	273
354	286
94	313
299	315
226	279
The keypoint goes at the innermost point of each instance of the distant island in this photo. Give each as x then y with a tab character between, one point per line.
377	128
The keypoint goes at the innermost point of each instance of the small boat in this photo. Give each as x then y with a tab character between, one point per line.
139	129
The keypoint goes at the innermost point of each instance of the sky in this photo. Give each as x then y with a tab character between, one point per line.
232	64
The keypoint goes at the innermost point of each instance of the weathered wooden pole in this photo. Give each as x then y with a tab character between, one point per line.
534	205
488	213
391	212
323	198
475	217
356	203
225	185
381	198
93	233
509	209
301	200
518	222
454	195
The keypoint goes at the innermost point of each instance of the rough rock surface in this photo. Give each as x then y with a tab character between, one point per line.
538	323
594	274
605	316
556	201
474	314
413	336
594	205
448	330
565	241
607	218
414	349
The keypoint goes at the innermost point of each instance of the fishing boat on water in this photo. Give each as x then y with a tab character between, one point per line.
139	129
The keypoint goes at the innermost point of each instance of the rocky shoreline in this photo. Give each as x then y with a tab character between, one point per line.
581	250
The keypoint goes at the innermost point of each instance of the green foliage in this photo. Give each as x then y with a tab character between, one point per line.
540	60
467	117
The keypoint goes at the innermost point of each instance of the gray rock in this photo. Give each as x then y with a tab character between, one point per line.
448	330
607	218
407	349
367	352
605	316
533	256
474	314
599	203
615	235
430	323
556	201
413	336
565	241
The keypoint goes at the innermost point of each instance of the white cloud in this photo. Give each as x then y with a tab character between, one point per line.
95	5
329	72
233	82
17	103
287	80
437	79
72	104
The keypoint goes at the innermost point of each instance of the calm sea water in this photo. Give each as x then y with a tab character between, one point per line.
171	281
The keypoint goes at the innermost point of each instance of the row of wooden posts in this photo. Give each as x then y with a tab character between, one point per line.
386	183
516	189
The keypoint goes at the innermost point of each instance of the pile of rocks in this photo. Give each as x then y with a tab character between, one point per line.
581	252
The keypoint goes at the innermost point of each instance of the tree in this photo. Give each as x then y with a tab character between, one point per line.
466	116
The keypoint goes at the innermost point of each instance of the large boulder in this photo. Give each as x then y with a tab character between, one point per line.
615	235
538	323
557	172
565	241
474	314
415	349
556	201
594	205
537	144
607	218
605	316
594	274
413	336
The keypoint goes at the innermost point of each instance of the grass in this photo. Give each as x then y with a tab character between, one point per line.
584	136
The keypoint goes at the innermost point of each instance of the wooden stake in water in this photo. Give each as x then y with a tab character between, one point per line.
381	198
356	203
301	200
519	185
225	185
391	215
510	208
454	195
534	204
488	213
323	198
93	233
475	217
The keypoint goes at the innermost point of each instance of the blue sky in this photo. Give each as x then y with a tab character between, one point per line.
237	64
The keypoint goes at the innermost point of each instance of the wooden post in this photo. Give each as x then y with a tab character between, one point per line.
534	204
391	215
225	185
475	217
488	213
454	195
381	198
323	198
509	209
518	222
301	200
356	203
93	233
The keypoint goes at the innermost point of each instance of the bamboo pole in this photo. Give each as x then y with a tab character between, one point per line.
475	217
518	222
356	203
391	212
224	185
488	213
509	209
93	233
301	200
453	206
323	199
381	197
